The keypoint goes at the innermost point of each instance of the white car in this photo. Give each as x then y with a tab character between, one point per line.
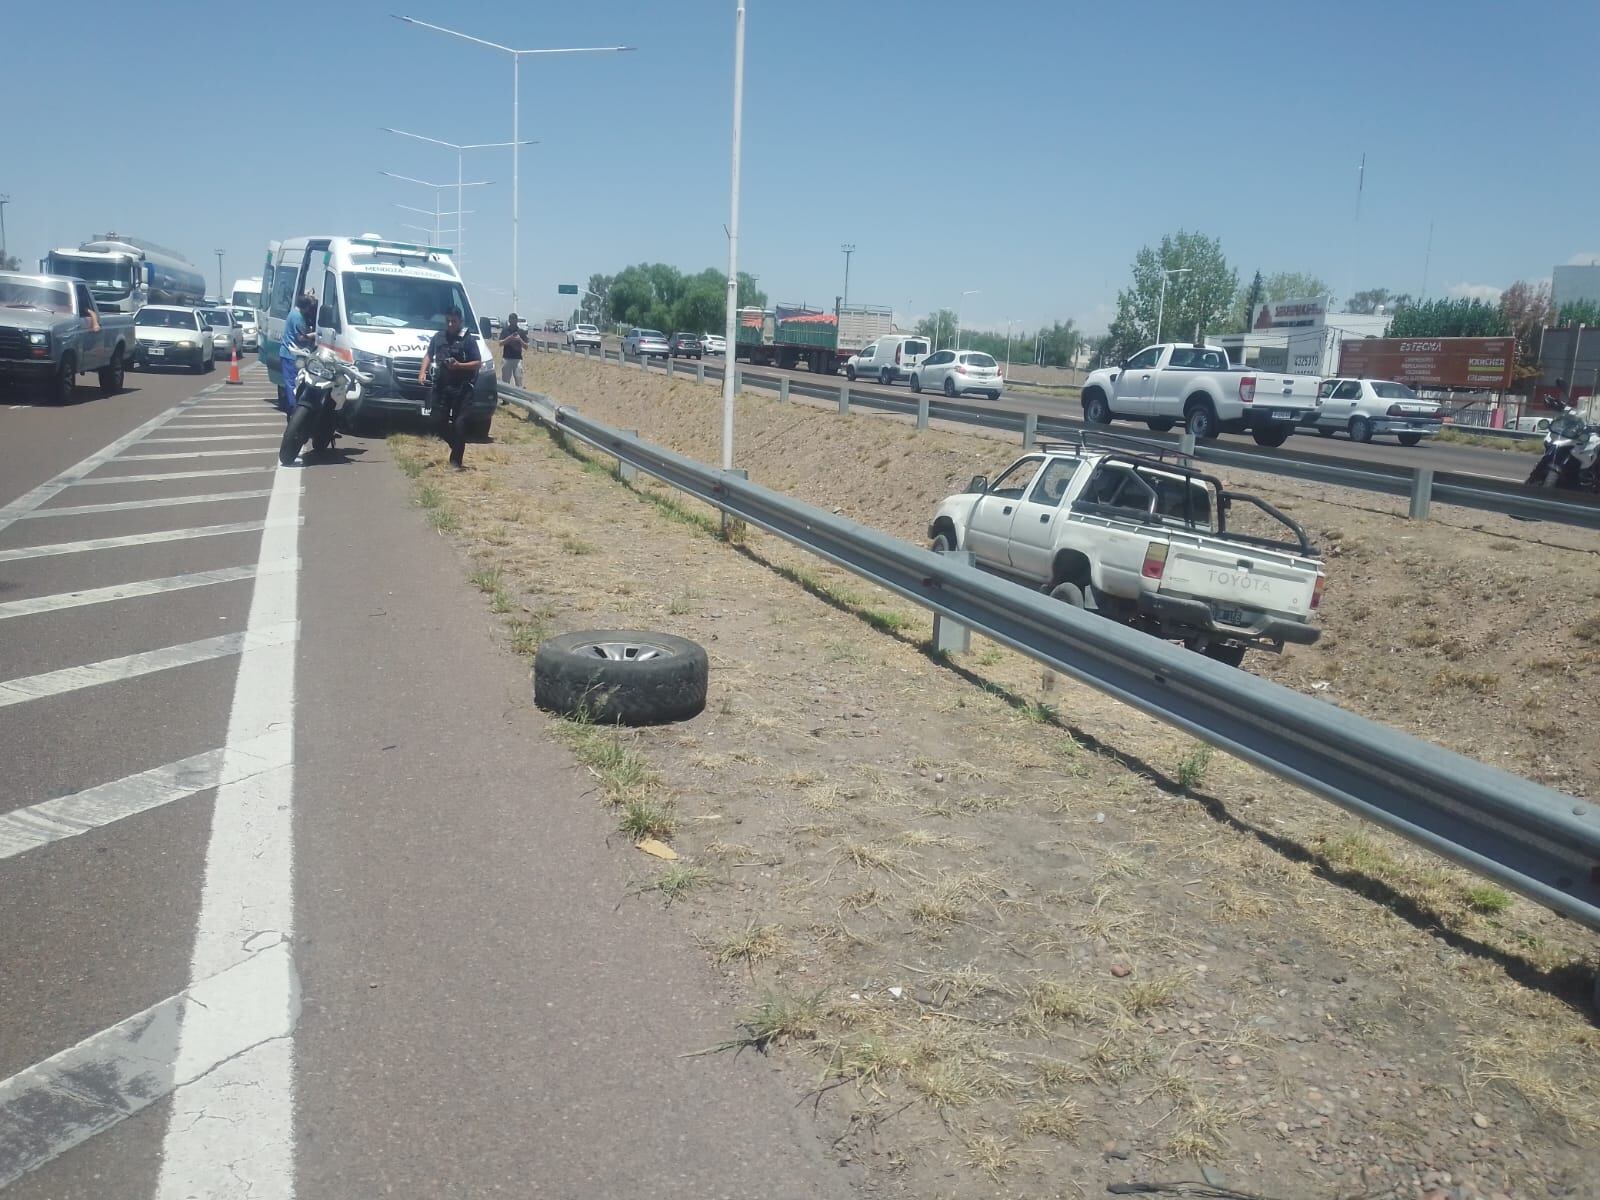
226	334
1364	407
583	335
646	343
957	372
713	343
893	356
166	335
249	328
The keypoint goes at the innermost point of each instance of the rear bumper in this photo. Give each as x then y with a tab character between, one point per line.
1404	425
975	383
1265	416
1196	615
171	356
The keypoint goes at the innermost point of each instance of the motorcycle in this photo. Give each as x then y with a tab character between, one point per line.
324	380
1571	457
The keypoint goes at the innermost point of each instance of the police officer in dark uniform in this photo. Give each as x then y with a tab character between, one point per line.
453	355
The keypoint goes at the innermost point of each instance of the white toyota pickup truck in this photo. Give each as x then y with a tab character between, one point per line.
1145	541
1175	383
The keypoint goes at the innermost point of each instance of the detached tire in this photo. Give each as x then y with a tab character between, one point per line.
621	677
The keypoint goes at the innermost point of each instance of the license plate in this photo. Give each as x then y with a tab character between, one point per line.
1230	616
156	352
1280	414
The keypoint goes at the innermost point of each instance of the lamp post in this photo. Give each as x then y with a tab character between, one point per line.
460	151
848	248
1010	321
221	295
516	117
4	200
437	187
1161	309
731	323
961	304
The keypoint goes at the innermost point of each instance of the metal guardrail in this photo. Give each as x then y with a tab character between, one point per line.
1421	485
1530	838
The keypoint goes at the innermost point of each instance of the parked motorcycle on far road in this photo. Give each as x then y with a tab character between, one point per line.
324	381
1571	457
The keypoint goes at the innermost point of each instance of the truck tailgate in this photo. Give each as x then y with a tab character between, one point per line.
1242	580
1300	388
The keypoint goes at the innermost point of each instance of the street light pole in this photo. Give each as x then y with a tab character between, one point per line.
731	324
221	295
1161	308
437	187
960	305
460	150
516	119
1010	321
4	200
849	248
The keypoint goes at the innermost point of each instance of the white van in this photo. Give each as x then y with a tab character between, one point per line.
889	358
379	303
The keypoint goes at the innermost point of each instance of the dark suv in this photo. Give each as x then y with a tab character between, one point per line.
686	344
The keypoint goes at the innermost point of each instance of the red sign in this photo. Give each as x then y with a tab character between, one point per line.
1483	364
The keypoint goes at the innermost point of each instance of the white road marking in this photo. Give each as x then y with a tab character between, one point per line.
163	476
47	1109
271	434
132	539
198	423
78	510
146	662
248	1139
187	454
25	829
123	591
39	495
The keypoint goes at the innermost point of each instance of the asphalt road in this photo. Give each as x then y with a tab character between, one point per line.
300	899
1441	456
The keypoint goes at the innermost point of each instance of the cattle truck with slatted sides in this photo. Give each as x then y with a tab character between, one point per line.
791	334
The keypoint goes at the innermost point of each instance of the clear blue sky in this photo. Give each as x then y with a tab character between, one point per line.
1026	148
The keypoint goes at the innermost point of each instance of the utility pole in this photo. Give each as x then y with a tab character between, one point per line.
221	295
4	200
849	248
731	329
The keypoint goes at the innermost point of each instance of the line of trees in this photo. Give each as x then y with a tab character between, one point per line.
659	296
1056	344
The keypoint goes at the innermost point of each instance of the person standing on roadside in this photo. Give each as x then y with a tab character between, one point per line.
299	331
453	355
512	346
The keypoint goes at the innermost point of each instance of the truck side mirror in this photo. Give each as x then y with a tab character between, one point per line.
980	484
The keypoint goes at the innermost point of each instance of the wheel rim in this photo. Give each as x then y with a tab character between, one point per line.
65	380
949	388
624	651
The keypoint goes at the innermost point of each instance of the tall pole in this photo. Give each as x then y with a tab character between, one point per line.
849	249
221	295
1009	323
516	162
961	304
731	332
4	200
460	208
1161	306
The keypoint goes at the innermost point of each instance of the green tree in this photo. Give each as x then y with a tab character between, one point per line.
1369	300
1578	312
593	305
1201	298
659	296
1283	285
1450	318
10	262
939	328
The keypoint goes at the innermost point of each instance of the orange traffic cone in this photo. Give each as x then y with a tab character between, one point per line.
233	371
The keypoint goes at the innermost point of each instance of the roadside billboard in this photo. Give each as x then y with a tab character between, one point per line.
1482	364
1299	312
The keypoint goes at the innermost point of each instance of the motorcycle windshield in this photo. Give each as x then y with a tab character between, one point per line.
1567	426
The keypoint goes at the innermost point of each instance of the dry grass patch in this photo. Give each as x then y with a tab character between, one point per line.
752	944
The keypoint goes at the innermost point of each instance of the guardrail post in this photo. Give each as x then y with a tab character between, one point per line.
844	399
669	368
1421	493
1030	430
1186	443
949	636
699	371
738	381
626	471
922	412
783	390
733	527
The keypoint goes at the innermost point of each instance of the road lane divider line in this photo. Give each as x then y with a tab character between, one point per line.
78	510
14	553
58	601
202	423
275	435
163	476
147	662
47	1109
80	812
31	500
187	454
248	893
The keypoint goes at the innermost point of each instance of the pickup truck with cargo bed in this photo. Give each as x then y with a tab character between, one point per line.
1196	385
1145	541
51	332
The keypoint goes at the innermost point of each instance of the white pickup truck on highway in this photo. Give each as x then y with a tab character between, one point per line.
1196	385
1144	541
